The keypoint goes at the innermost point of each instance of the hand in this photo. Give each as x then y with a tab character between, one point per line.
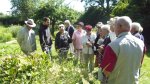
89	44
101	48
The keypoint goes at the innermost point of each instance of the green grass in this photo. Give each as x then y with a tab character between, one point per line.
7	34
145	71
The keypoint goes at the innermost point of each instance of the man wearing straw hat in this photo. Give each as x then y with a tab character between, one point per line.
26	37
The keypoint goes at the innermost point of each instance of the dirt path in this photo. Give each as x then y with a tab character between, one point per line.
12	42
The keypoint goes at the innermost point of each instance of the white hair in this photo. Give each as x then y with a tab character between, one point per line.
125	22
106	27
137	26
61	25
99	24
141	29
112	21
67	21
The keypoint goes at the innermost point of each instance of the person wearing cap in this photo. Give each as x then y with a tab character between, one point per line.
26	37
123	57
70	29
62	42
88	53
45	35
76	39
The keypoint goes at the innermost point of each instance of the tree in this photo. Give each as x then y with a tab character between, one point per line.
93	15
138	11
24	8
101	10
56	11
105	4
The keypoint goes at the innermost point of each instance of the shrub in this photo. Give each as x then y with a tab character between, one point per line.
5	34
14	29
5	37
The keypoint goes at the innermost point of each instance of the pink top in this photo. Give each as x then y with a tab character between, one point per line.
77	36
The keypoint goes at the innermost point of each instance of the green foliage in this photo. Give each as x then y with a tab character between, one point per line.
57	12
100	3
94	15
24	8
23	69
5	35
119	9
14	30
97	10
16	68
37	69
9	20
138	11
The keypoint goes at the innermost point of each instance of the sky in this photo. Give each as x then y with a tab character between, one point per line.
5	5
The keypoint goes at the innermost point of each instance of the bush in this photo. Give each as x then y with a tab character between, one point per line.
8	20
14	29
5	37
5	34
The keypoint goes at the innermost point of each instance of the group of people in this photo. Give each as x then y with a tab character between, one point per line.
118	47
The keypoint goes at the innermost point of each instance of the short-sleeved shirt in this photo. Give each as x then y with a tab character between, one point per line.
85	39
77	36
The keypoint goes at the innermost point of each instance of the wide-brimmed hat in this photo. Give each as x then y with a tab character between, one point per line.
30	23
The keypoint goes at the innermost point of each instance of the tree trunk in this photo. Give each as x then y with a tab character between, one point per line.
53	26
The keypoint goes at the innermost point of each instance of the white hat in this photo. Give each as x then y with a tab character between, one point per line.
30	23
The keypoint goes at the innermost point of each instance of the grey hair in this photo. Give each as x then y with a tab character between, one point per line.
99	24
106	27
67	21
141	29
137	26
124	21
